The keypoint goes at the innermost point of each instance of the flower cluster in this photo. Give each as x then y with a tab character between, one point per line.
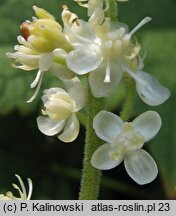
105	51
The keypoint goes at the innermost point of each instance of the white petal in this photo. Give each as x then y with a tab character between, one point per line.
86	30
141	167
69	83
28	61
101	159
122	27
48	92
148	124
53	91
83	61
71	130
107	126
82	34
45	61
60	53
48	126
62	72
100	88
150	90
97	17
79	94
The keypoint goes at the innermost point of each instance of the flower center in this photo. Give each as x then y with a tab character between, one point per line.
115	45
127	141
59	106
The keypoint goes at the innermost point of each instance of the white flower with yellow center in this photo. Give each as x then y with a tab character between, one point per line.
106	52
60	109
22	191
42	43
124	141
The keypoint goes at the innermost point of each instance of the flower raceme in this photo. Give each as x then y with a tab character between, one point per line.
104	49
124	141
42	43
60	109
22	191
107	51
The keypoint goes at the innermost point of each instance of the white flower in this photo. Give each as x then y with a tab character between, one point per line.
22	191
96	9
92	5
106	52
124	141
41	44
61	108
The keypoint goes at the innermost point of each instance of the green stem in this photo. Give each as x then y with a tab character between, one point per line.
130	99
91	177
90	182
82	118
113	10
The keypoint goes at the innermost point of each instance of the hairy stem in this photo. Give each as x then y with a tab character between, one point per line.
108	183
130	99
91	177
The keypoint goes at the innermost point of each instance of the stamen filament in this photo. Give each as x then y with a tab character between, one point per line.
36	80
37	89
134	76
107	5
108	71
143	22
22	186
30	189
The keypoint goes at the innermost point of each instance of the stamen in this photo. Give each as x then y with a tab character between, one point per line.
143	22
16	47
22	186
107	5
37	89
22	41
36	80
30	189
134	76
108	70
79	2
19	190
34	18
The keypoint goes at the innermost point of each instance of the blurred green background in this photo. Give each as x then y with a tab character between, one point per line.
55	167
